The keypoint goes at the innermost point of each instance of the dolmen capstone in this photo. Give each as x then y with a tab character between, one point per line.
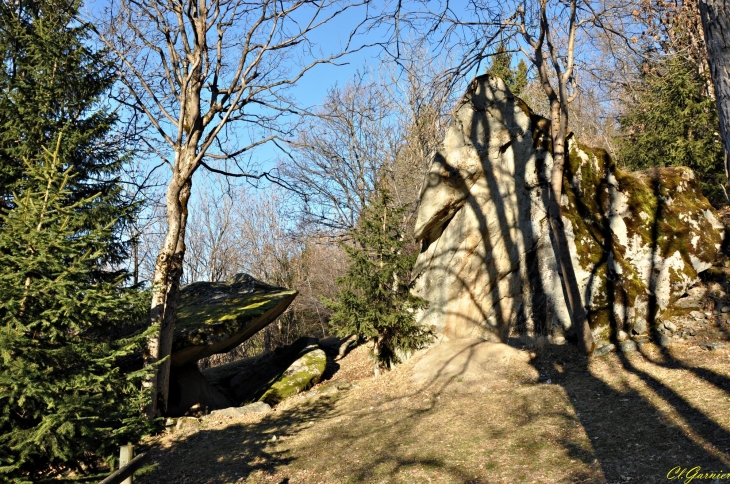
487	268
215	317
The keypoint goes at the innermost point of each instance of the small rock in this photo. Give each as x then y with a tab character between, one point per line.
256	407
169	422
697	315
689	303
692	332
716	290
697	291
670	326
604	350
328	390
725	309
558	340
344	385
713	346
628	346
273	438
664	341
622	336
184	422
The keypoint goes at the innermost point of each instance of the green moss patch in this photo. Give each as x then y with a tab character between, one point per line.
219	316
663	211
300	376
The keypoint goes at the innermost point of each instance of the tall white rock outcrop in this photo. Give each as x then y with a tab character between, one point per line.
487	266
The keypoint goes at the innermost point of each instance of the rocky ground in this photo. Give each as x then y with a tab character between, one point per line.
487	413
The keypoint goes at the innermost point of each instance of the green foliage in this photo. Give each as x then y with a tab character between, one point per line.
63	397
375	302
68	324
501	66
671	121
65	327
51	82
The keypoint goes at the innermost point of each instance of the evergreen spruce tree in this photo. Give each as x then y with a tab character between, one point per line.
501	66
375	302
66	317
51	81
671	121
64	402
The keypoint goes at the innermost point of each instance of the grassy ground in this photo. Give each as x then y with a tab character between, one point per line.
619	418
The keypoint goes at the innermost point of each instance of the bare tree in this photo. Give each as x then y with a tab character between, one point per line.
213	253
336	161
196	69
555	69
375	131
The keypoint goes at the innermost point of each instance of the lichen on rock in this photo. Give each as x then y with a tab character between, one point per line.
488	269
217	317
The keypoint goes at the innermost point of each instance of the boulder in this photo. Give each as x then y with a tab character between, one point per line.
215	317
487	265
302	375
278	374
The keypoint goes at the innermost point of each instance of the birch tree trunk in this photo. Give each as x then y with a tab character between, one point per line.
716	25
544	52
194	69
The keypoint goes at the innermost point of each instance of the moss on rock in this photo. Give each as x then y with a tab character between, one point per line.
217	317
300	376
639	236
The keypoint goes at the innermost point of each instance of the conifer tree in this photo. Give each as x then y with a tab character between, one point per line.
671	121
64	402
375	302
66	318
501	66
52	81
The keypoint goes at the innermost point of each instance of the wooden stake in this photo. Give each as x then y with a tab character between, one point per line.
126	452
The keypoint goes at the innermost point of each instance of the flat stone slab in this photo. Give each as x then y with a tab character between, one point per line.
256	407
215	317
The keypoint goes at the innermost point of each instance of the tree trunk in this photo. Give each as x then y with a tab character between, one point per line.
559	129
165	291
715	16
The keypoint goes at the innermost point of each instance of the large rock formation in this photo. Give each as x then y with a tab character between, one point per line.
487	267
215	317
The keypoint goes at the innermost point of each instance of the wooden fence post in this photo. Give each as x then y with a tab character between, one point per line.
126	453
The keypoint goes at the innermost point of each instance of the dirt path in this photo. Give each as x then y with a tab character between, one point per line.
542	415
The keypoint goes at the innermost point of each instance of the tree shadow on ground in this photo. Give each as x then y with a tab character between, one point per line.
641	425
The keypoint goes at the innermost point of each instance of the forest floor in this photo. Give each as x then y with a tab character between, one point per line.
542	414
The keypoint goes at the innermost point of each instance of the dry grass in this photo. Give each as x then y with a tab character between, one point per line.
620	418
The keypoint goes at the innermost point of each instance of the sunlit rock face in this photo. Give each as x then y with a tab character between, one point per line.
487	266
